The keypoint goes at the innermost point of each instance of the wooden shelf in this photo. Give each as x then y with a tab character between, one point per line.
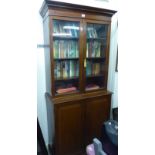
92	58
67	78
93	76
97	39
65	38
59	59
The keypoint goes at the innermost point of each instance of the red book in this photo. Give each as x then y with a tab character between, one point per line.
66	90
92	87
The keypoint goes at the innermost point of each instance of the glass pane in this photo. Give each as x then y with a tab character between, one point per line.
66	56
96	55
65	29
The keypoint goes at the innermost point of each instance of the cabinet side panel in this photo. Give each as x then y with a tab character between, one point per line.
50	120
47	55
49	104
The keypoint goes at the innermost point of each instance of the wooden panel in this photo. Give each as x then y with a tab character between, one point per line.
76	14
77	97
97	111
69	128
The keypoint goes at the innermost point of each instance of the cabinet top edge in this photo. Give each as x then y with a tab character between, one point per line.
49	4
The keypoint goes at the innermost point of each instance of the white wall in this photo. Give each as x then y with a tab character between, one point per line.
111	4
112	81
115	95
113	76
41	87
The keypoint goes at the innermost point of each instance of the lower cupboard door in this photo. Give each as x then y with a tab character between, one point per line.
97	112
70	128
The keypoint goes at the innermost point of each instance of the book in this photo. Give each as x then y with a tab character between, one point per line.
64	69
57	70
77	69
71	68
77	50
66	90
87	50
92	87
56	49
98	50
89	68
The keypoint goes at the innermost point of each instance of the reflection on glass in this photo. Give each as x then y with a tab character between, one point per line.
95	55
96	30
66	56
65	29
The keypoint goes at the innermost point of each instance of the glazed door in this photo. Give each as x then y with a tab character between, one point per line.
66	47
96	55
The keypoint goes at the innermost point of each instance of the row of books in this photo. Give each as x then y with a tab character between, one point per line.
66	49
93	49
66	69
93	68
65	29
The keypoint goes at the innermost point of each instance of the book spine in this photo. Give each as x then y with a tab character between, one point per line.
70	68
87	50
54	49
64	49
91	68
90	49
93	49
77	51
55	70
58	70
68	71
77	70
59	49
61	69
99	50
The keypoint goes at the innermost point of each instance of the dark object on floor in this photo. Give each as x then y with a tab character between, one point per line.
111	128
95	148
41	148
115	114
108	146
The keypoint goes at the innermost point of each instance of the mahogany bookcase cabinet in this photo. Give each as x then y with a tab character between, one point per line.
76	42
